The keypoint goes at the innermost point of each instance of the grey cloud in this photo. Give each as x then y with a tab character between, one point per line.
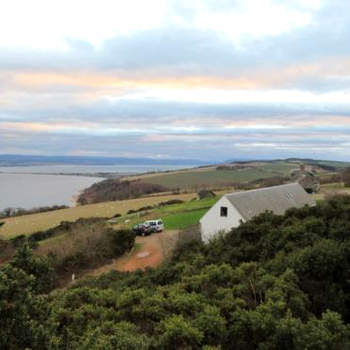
179	52
153	111
216	147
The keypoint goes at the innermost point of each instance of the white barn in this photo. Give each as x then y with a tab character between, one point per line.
235	207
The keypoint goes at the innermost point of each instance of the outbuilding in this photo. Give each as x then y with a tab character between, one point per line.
237	207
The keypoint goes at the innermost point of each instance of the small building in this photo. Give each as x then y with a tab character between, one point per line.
237	207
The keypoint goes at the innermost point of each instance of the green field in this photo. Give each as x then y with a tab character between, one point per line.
185	215
334	163
28	224
212	177
175	217
181	221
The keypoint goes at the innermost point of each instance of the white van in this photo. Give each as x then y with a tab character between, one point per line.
157	225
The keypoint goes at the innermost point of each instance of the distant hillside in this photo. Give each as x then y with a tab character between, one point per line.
27	160
112	190
326	164
244	174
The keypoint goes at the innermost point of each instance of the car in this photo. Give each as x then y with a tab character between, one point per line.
156	225
142	229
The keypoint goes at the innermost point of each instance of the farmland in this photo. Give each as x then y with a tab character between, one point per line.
175	217
42	221
211	177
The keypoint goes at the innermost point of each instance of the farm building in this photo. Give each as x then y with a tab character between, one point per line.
235	207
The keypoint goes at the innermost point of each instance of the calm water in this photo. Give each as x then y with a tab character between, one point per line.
30	186
84	169
28	191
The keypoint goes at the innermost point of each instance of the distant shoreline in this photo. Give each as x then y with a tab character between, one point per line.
98	174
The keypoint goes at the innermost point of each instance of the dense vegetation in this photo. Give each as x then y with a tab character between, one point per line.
71	247
112	190
276	282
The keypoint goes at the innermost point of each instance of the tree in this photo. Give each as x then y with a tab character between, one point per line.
177	333
39	267
22	312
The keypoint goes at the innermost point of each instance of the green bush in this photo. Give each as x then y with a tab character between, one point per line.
275	282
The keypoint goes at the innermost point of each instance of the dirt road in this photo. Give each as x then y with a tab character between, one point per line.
149	251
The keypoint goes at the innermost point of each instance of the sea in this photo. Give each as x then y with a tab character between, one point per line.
46	185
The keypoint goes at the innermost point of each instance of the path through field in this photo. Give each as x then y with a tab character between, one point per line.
150	251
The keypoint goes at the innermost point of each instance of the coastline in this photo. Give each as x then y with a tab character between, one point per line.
30	191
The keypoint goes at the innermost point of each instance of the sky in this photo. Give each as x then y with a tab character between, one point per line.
198	79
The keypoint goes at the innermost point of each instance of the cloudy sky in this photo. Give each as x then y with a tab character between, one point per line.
202	79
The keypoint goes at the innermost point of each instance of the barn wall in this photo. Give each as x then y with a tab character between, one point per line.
212	223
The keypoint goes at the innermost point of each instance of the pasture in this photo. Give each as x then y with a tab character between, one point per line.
175	217
42	221
211	177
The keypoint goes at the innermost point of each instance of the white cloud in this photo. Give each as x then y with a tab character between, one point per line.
255	18
46	24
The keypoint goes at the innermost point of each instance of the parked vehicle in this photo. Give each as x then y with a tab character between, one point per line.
156	225
142	229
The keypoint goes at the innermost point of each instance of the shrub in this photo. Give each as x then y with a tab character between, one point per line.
346	177
274	282
11	212
39	267
170	202
205	194
86	243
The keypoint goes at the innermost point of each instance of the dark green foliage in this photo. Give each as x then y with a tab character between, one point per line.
38	267
274	283
121	241
205	194
22	312
170	202
133	211
111	335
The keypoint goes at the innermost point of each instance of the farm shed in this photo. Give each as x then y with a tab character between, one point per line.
235	207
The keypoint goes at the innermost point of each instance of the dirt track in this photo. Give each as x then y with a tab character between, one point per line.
150	252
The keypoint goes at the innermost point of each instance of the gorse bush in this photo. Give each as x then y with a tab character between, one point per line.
71	248
275	282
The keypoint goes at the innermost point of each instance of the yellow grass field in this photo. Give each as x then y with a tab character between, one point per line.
42	221
331	189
